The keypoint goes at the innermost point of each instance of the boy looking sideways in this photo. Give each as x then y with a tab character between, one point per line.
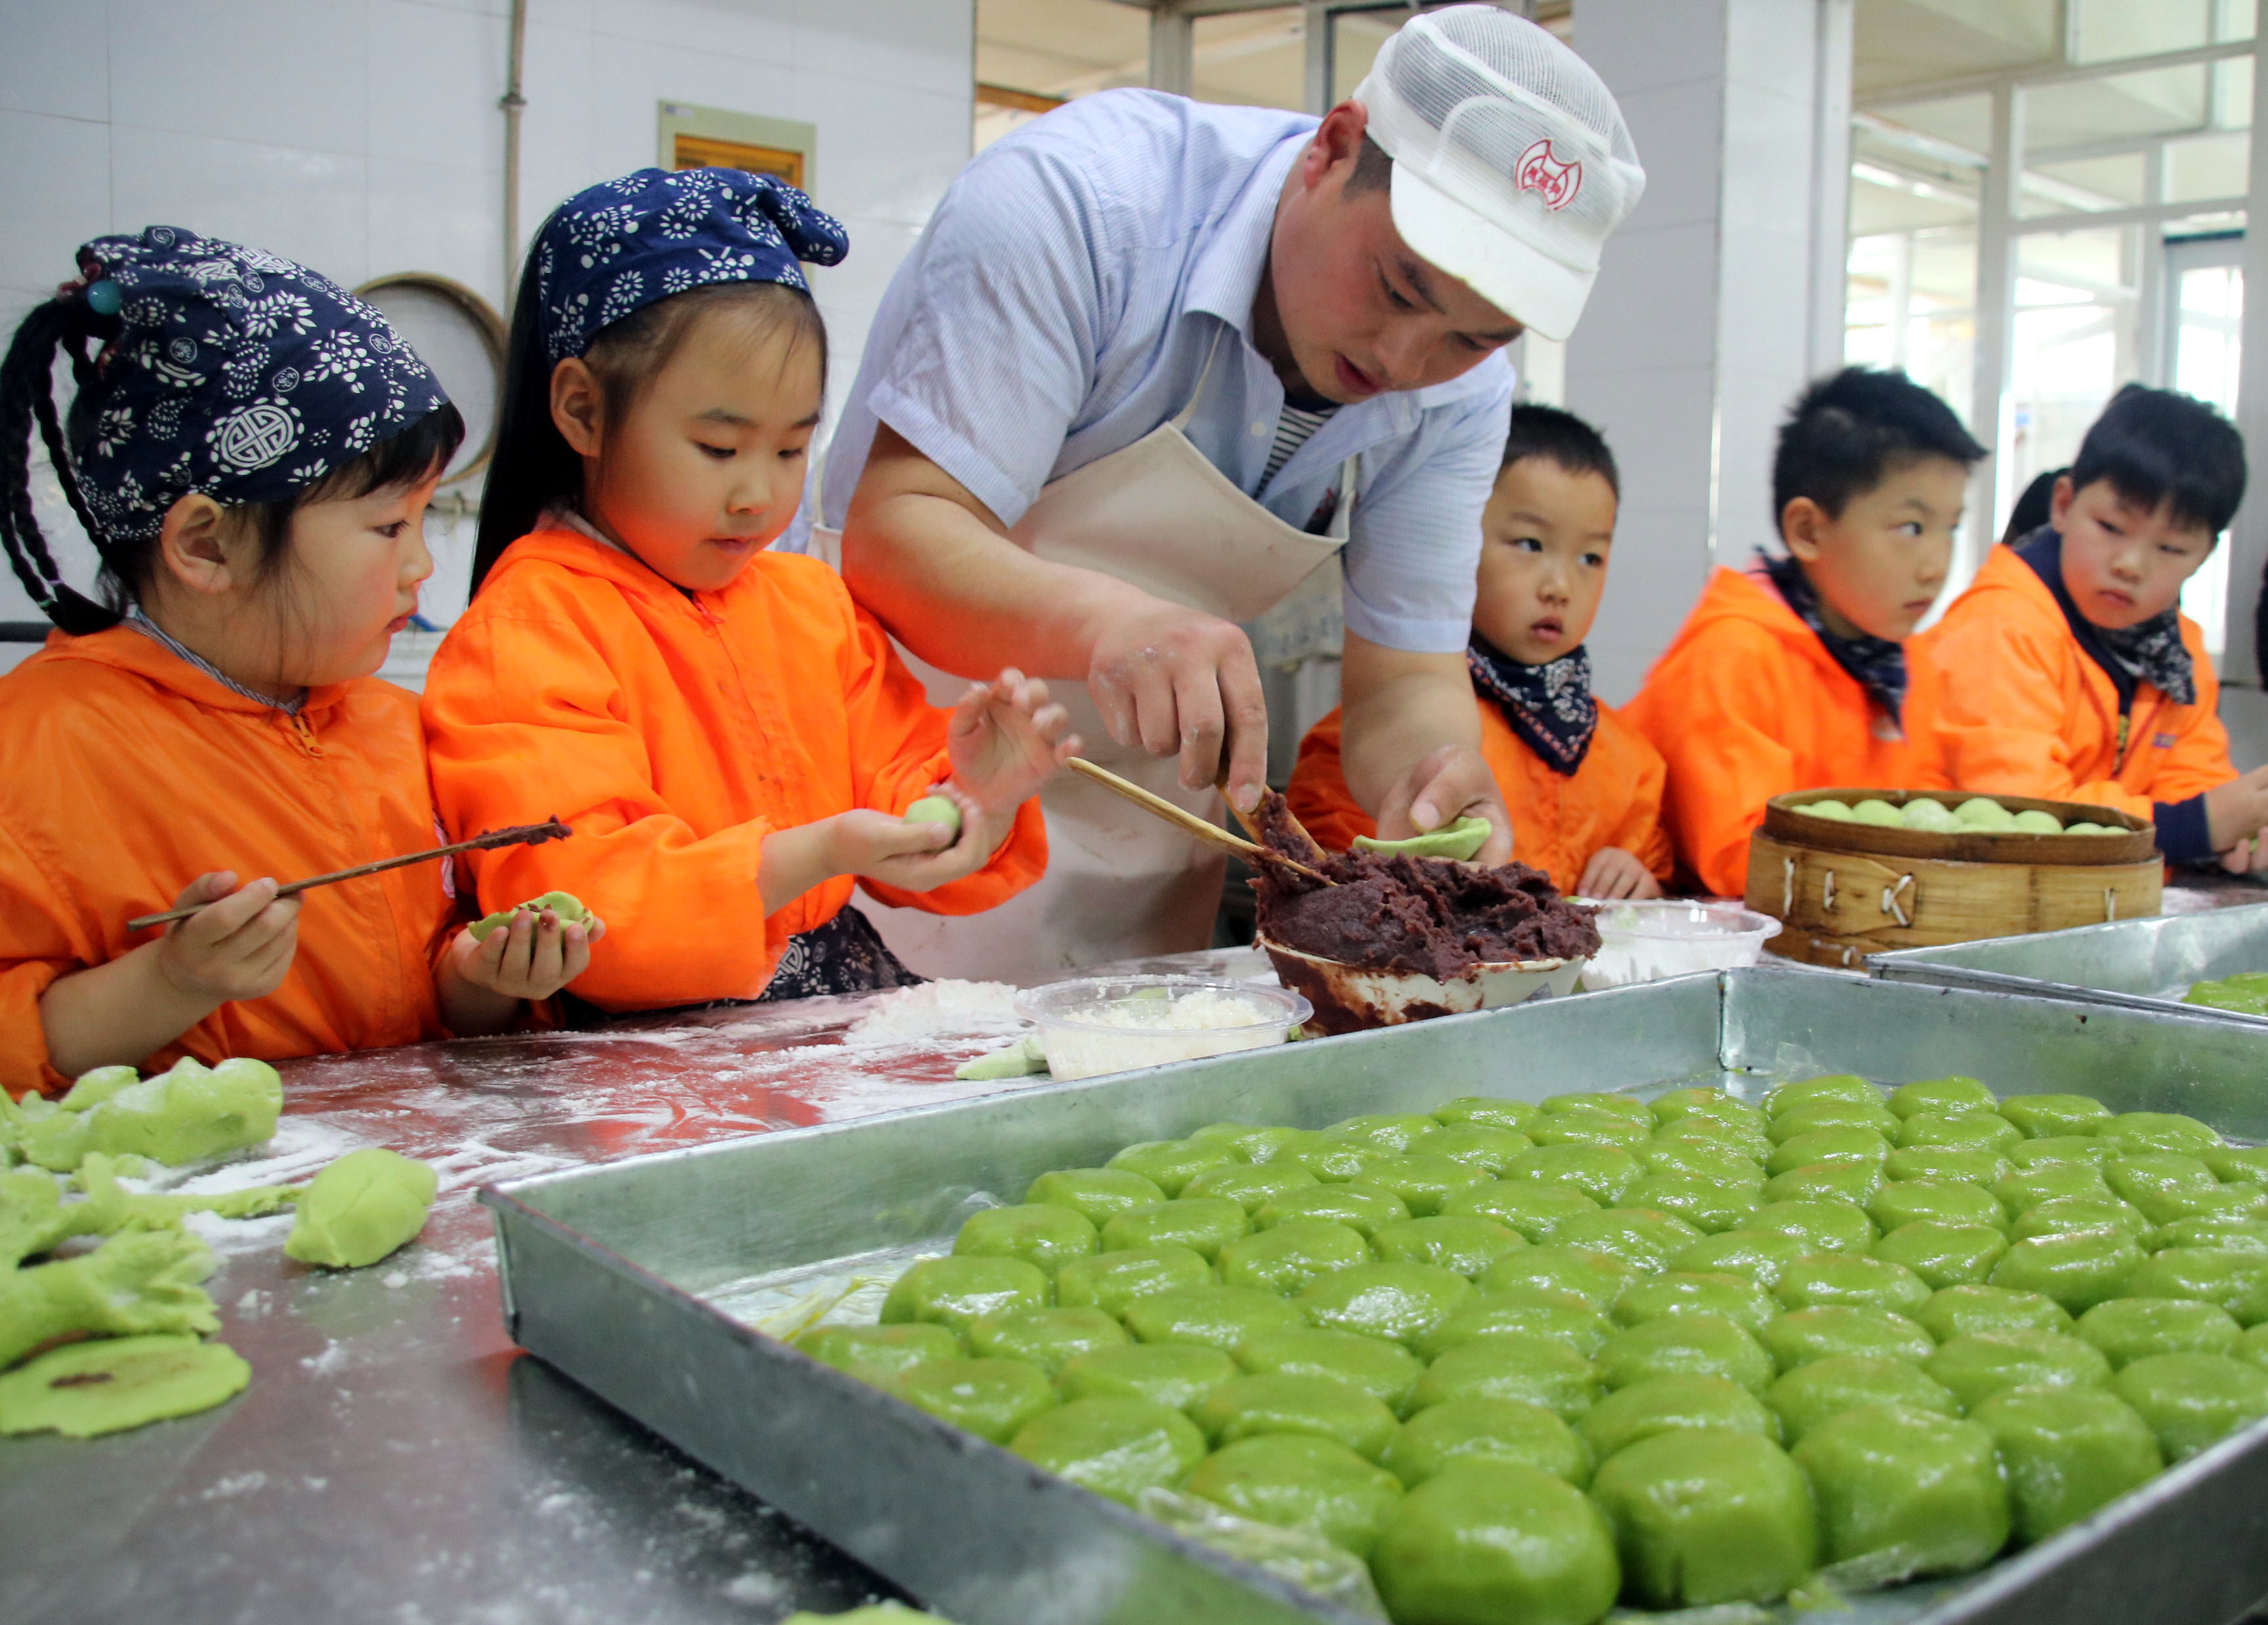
1583	788
2070	671
1794	674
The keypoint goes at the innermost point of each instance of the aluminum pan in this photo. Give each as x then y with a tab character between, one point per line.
602	1266
2130	964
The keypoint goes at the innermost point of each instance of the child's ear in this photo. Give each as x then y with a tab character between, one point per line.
1800	523
579	406
2059	502
193	547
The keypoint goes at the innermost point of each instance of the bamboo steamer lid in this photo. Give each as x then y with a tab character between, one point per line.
1843	891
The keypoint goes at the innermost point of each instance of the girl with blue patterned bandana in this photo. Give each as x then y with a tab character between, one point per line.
251	450
733	738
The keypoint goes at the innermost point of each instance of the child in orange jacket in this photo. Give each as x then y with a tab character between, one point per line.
1583	788
1794	674
2069	670
251	451
733	738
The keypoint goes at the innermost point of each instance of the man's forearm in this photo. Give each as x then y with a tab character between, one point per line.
1398	708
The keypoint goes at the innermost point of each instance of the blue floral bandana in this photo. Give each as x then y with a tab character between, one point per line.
620	246
234	373
1877	664
1550	707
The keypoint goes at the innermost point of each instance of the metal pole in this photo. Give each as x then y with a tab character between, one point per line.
1315	37
512	103
1991	410
1831	191
1172	49
2248	537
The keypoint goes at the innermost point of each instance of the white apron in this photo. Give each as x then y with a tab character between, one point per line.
1120	882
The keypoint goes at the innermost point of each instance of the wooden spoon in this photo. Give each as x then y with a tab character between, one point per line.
1203	829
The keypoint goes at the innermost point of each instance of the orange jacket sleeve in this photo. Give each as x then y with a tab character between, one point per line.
36	952
2198	759
1639	830
1318	791
1714	731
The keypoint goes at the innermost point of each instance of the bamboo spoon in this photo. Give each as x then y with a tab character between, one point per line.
518	835
1203	829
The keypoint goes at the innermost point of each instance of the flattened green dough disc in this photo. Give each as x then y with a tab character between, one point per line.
1979	1366
1835	1086
2061	1216
1823	1116
2132	1133
875	1354
1297	1481
1039	1234
1645	1238
1822	1226
1211	1317
1807	1334
1456	842
1963	1311
2062	1150
1116	1448
1484	1430
1949	1095
1827	1145
2026	1189
960	1292
1176	1374
992	1399
1888	1480
1286	1257
2236	1281
1385	1371
2225	1235
1401	1302
1113	1281
1532	1369
1204	1225
1813	1394
2068	1451
566	905
1695	1159
1965	1131
1698	1344
1488	1541
1587	1126
1464	1244
1944	1201
108	1385
1045	1337
2191	1401
1322	1407
1098	1194
1664	1404
1393	1131
1705	1517
2127	1329
361	1208
1602	1172
1943	1162
1254	1143
1853	1182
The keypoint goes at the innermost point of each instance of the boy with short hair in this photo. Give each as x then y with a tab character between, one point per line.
1583	788
1794	674
2070	671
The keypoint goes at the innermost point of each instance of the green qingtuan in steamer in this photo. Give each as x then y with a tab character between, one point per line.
1484	1430
1362	1207
1254	1145
1286	1257
1530	1311
2079	1269
2132	1134
1708	1516
2193	1401
1588	1128
2235	1281
1098	1194
1807	1335
1811	1395
1039	1233
1947	1096
1690	1160
2024	1188
1176	1374
1460	1243
1643	1237
1942	1162
1831	1114
1595	1277
1708	1207
1963	1311
1482	1110
1527	1206
1838	1086
1044	1337
1487	1542
1925	1487
2067	1451
1664	1404
1249	1186
1852	1182
1977	1367
1531	1370
2063	1216
1966	1131
1944	1201
960	1292
1489	1149
1202	1225
1943	1255
992	1399
2127	1329
1827	1145
1859	1283
875	1354
2052	1116
1385	1371
1393	1131
1602	1172
1400	1302
1321	1407
1299	1482
1116	1448
1682	1291
1756	1255
1706	1345
1112	1281
1171	1164
1211	1317
1822	1226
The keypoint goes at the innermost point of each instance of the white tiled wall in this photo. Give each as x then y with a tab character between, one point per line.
363	136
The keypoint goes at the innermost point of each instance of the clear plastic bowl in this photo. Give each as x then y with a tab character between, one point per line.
1115	1023
1658	938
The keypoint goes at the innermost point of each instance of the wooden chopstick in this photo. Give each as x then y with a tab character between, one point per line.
518	835
1203	829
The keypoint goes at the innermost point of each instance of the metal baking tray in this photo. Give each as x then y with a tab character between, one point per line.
2130	965
609	1274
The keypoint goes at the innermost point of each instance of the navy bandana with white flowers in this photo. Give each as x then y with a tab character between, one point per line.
1550	707
620	246
237	374
1877	664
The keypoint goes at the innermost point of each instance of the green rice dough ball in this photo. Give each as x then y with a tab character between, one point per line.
1861	1282
2237	1281
1211	1317
1824	1226
1802	1335
2151	1174
958	1292
1827	1145
1665	1404
2213	1234
1923	813
2038	821
1116	1448
1423	1182
1823	1116
1204	1225
1044	1337
2230	1201
1602	1172
108	1385
2067	1453
1683	1291
1320	1406
1528	1311
1709	1208
1488	1541
1466	1245
1698	1344
1099	1195
2020	1191
1697	1159
1945	1163
1169	1164
992	1399
1754	1255
1284	1258
1112	1281
360	1207
1481	1146
1386	1372
1401	1302
1588	1128
1486	1111
1534	1371
875	1354
1963	1311
1039	1234
1254	1143
2239	1165
1440	1437
1179	1375
1813	1394
1708	1516
1834	810
1835	1086
1626	1106
566	905
1361	1208
1949	1095
1393	1131
2079	1269
2193	1401
1943	1255
2063	1216
1249	1187
1532	1209
2127	1329
1852	1182
1980	1366
1892	1480
1965	1131
1910	1201
1294	1481
1873	810
1985	812
1597	1278
2132	1134
1645	1238
2050	1116
1338	1158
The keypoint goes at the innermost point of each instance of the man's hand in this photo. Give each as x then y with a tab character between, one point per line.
1449	782
1178	681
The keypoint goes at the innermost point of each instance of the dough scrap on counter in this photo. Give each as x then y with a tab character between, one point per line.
190	1112
141	1282
361	1208
86	1388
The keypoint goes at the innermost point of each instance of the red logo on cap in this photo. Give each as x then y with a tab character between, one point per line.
1544	172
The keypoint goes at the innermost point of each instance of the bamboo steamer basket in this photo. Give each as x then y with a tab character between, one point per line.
1843	891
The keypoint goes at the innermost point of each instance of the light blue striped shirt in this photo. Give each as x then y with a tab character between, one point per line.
1061	303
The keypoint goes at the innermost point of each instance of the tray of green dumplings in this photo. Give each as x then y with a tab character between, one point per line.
1765	1294
2213	964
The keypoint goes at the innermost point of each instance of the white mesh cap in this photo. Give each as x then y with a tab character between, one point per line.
1510	160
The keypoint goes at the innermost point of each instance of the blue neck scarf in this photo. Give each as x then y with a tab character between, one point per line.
1550	707
1877	664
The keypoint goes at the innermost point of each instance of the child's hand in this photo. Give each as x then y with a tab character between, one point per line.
1613	874
1006	740
2237	811
238	946
531	958
916	857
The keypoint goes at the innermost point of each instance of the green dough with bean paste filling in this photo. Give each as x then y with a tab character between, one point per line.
1756	1255
1983	1363
1950	1096
1944	1162
1697	1344
566	905
1662	1404
1831	1115
1835	1086
1597	1278
1322	1407
2079	1269
1827	1145
2151	1174
875	1354
1386	1372
1532	1369
1691	1159
1171	1164
1457	841
2020	1191
1685	1291
1588	1128
1394	1131
1965	1131
2210	1234
1401	1302
2063	1216
2067	1453
1112	1281
1360	1208
1861	1282
2127	1329
1097	1195
1486	1542
1815	1393
1907	1202
1804	1335
1708	1207
1485	1429
960	1292
2237	1281
2193	1401
1533	1209
1254	1143
1486	1147
1484	1109
1423	1182
1943	1255
1176	1374
1627	1106
1117	1448
1707	1516
992	1399
1041	1234
1297	1481
2239	1163
1045	1337
1644	1237
2132	1133
1249	1185
1925	1489
361	1208
1960	1311
1602	1172
1535	1311
1202	1225
1211	1317
2051	1116
1824	1226
109	1385
1285	1258
1465	1245
1854	1183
